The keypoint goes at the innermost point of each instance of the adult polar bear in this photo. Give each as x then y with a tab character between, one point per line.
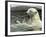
33	22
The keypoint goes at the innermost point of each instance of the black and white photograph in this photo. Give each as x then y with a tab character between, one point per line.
25	18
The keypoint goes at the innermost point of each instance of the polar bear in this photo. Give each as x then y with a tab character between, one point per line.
34	18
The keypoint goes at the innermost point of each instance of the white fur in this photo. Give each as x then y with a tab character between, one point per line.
36	22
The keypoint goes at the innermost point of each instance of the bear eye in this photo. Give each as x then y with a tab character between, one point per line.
35	12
